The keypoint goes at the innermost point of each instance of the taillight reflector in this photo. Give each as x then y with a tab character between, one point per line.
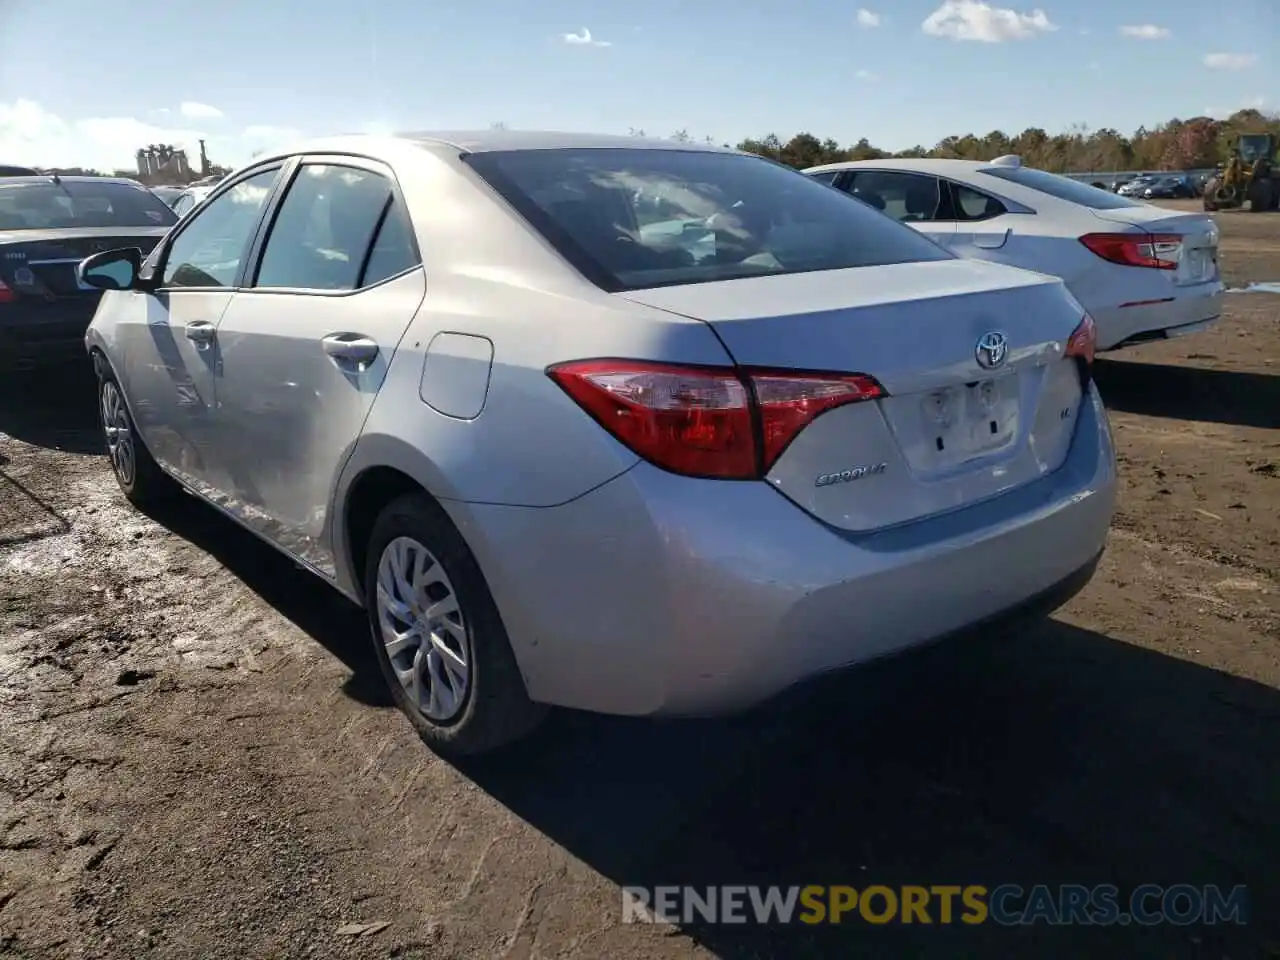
1159	251
722	422
1083	344
6	295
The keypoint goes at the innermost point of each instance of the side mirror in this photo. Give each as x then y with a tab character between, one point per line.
111	269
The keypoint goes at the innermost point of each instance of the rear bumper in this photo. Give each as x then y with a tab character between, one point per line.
35	335
1190	308
657	594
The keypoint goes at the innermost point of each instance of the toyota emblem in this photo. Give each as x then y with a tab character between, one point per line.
992	350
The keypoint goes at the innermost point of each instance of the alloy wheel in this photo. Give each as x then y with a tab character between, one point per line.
119	436
423	630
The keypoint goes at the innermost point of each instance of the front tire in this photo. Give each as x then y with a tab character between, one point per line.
139	476
437	634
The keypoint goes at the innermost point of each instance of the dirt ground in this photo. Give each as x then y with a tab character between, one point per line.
197	758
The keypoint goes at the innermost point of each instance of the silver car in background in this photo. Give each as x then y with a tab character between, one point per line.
615	424
187	200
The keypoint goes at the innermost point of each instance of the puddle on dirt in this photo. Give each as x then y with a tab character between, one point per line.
1267	287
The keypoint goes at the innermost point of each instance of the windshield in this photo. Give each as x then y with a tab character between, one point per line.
45	205
635	218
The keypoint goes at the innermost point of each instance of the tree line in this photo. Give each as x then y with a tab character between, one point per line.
1198	143
1193	144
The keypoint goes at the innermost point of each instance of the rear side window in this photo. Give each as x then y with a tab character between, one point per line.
827	177
632	218
972	205
394	250
1063	188
324	228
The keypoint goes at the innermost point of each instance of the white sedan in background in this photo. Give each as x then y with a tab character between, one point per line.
1143	272
186	201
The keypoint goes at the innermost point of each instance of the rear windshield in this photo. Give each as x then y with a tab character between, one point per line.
1064	188
630	218
46	205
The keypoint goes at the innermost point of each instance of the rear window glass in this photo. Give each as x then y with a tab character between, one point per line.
45	205
1063	188
635	218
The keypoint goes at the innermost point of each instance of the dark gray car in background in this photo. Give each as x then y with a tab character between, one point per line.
48	224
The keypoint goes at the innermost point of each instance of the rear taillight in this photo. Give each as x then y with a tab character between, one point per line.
1083	344
722	422
1159	251
6	295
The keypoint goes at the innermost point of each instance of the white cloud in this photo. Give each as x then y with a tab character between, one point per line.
31	135
867	75
867	18
200	111
585	39
1145	31
974	20
1249	103
1229	61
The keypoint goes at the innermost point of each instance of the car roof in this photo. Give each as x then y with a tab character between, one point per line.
919	164
48	178
487	141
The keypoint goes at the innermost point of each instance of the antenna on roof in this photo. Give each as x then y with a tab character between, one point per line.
1008	160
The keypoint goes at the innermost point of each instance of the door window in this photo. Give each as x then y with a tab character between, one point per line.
207	252
907	197
324	229
972	205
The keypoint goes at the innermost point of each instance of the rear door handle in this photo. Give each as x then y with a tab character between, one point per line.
351	347
201	332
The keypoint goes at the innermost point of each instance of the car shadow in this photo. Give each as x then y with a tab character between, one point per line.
1057	755
333	621
54	407
1060	756
1190	393
25	516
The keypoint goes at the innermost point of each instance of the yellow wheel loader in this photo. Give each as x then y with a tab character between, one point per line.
1252	176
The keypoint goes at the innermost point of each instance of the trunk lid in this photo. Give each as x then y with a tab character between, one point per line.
1198	260
951	431
42	263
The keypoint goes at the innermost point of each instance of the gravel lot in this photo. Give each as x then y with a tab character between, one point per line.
197	758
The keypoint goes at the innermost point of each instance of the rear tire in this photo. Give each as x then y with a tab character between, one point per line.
437	634
1260	196
140	478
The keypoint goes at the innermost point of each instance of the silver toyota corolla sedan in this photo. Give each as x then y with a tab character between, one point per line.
624	425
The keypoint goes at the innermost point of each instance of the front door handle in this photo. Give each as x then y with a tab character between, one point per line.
201	332
352	347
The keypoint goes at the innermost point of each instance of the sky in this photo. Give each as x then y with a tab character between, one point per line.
80	85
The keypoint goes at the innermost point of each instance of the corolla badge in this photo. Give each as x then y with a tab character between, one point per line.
848	476
992	350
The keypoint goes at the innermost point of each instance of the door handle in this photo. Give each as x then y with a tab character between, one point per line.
201	332
352	347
